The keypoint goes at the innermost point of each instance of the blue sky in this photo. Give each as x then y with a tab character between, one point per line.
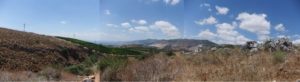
276	18
50	17
221	21
135	19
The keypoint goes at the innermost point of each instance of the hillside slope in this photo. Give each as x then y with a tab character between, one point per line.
28	51
175	44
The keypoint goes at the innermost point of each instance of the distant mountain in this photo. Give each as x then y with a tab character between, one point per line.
111	43
175	44
143	42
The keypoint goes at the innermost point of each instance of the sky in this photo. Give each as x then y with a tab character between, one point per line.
220	21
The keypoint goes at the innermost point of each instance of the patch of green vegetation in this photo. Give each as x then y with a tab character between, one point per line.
112	62
85	67
146	50
118	58
279	56
103	49
79	69
91	60
97	47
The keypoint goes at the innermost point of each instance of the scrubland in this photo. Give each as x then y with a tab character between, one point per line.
32	57
232	66
229	65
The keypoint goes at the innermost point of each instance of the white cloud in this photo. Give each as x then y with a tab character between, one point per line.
141	29
227	34
240	39
126	25
168	2
172	2
222	10
205	5
283	36
167	28
63	22
264	37
107	12
280	36
112	25
255	23
140	26
280	28
140	22
207	34
207	21
226	31
296	41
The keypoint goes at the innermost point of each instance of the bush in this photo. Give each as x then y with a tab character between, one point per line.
91	60
279	56
79	70
113	62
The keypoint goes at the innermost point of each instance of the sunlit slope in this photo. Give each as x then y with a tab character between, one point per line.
29	51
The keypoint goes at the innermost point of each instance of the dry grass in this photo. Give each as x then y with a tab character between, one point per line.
20	76
215	66
46	75
23	51
156	68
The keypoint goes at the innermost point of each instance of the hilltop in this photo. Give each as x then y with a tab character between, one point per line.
30	51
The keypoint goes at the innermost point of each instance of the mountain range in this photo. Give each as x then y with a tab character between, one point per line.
174	44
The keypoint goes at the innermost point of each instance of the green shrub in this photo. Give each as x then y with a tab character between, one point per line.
112	62
90	60
85	67
79	70
279	56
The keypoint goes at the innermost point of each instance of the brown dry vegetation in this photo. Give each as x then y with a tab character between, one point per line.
23	51
215	66
47	74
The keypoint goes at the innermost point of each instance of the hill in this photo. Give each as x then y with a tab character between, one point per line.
30	51
145	42
175	44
